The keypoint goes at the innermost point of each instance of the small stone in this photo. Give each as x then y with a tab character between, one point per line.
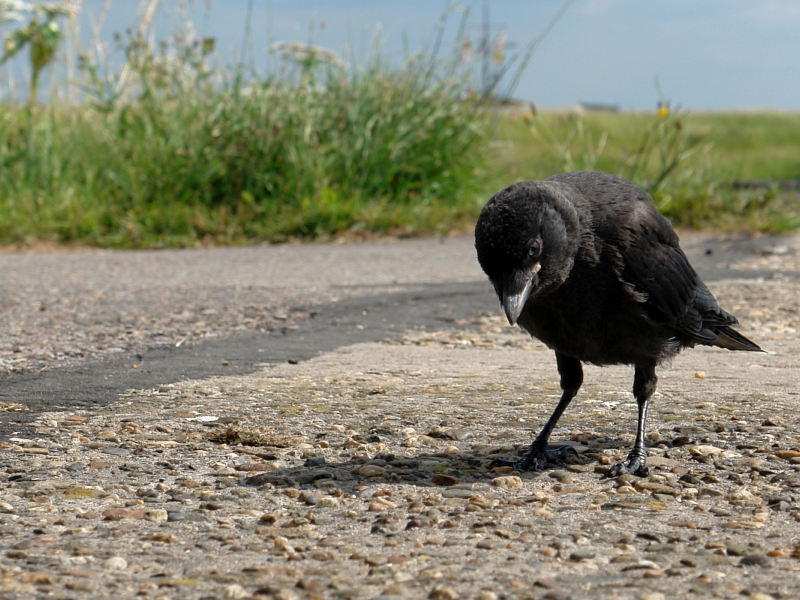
156	515
6	508
235	592
487	595
490	544
557	595
115	563
80	586
507	482
458	493
309	498
327	502
116	451
313	584
759	560
700	374
161	537
654	574
445	480
39	540
702	561
705	450
36	578
117	514
371	471
254	466
563	476
761	596
654	488
419	522
443	593
582	555
397	590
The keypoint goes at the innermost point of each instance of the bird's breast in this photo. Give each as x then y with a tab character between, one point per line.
600	328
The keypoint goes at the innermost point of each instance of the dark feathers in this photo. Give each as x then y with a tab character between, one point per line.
610	262
587	264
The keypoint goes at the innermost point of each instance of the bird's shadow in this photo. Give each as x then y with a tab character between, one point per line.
427	471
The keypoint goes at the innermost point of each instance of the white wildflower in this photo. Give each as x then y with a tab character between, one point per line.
300	52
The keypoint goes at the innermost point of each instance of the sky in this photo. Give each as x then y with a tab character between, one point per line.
706	54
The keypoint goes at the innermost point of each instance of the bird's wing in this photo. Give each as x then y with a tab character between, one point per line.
647	256
661	276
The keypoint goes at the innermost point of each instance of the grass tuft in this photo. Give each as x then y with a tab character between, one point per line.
166	149
693	165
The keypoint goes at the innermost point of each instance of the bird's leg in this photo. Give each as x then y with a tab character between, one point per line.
644	385
539	455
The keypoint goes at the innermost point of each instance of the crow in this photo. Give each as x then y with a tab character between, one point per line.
585	263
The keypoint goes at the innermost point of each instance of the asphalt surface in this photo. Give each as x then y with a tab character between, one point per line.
349	294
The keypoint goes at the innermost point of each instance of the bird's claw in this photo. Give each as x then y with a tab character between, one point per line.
538	456
635	464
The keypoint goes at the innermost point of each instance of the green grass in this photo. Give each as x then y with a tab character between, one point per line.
746	146
722	148
168	150
386	149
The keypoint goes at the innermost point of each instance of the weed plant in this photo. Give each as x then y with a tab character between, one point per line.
693	165
168	150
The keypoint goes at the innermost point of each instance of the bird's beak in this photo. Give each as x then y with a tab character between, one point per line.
516	289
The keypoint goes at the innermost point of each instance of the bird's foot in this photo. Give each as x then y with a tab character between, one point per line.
635	464
538	456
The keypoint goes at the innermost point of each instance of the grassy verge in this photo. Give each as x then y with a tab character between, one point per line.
718	152
382	150
169	150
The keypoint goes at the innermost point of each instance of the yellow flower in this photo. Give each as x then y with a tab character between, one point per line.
663	111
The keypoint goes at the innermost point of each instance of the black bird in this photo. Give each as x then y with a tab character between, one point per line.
586	263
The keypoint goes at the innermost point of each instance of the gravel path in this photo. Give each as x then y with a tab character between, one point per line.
62	308
366	472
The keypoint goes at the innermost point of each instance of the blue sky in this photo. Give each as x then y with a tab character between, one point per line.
708	54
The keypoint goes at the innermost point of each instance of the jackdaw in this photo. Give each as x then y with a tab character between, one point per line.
585	263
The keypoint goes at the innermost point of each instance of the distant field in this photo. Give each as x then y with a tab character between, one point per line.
731	178
380	156
744	146
170	148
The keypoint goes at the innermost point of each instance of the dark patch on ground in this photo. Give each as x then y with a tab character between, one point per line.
364	319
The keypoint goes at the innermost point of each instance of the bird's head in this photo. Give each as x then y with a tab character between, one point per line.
526	237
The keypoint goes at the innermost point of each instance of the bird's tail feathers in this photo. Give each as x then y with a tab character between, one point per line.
733	340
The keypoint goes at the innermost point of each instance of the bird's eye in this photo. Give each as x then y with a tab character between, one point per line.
536	248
